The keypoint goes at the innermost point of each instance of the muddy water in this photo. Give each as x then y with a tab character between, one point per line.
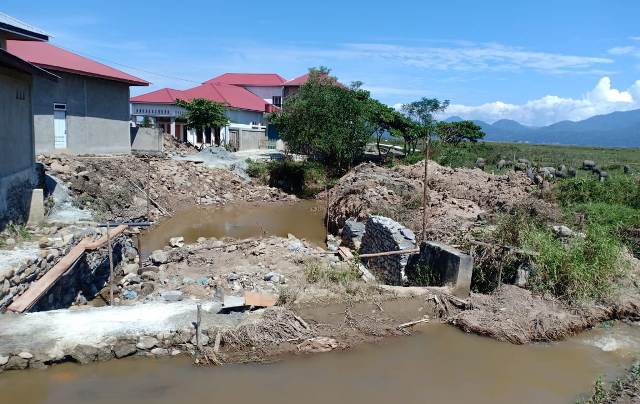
438	365
304	219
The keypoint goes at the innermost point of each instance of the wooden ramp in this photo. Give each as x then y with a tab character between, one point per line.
38	288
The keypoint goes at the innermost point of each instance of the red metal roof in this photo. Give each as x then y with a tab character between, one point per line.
162	96
232	96
249	79
47	56
298	81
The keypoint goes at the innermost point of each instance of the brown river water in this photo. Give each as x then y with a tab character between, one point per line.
440	364
304	219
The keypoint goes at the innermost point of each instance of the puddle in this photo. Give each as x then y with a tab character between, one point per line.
439	365
304	219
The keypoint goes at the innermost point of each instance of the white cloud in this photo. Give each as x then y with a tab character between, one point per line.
490	57
623	50
602	99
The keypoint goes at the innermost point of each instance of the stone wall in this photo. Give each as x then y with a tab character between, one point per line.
80	284
383	234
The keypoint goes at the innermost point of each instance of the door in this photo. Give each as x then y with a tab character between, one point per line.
60	129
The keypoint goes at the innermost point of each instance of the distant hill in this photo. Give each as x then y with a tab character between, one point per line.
617	129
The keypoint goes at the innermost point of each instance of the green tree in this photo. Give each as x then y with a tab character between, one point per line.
457	132
423	112
326	120
383	119
202	113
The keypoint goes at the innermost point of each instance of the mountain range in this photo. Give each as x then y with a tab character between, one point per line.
617	129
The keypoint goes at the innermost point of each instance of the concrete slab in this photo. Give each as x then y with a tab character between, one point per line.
36	207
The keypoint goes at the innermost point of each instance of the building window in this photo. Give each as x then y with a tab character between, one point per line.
277	100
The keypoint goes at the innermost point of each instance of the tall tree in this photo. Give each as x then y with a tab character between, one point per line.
457	132
423	113
326	120
203	113
383	119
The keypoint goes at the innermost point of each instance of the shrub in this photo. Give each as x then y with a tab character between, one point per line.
619	189
579	269
258	170
315	273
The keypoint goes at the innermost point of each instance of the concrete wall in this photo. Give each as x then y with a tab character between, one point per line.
97	114
244	117
266	93
17	172
251	139
146	140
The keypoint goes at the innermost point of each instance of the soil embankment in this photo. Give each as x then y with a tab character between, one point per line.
116	187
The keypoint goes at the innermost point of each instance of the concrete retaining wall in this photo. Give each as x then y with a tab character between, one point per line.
146	140
441	265
383	234
15	194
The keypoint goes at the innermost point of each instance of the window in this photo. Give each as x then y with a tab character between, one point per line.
59	107
276	100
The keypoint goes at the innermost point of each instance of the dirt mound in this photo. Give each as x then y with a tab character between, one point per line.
115	187
518	316
172	147
456	196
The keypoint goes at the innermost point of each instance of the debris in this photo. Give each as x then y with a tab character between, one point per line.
412	323
318	345
159	257
171	295
176	242
233	302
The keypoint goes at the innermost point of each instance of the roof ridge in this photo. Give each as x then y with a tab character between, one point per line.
23	25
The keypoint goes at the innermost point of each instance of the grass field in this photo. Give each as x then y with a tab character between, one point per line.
465	155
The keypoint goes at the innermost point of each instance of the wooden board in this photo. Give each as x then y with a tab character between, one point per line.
38	288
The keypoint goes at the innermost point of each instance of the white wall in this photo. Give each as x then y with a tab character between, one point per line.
266	93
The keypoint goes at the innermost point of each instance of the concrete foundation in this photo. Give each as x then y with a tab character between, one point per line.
146	140
15	193
441	265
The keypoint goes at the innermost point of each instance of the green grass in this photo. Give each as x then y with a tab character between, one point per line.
316	273
465	155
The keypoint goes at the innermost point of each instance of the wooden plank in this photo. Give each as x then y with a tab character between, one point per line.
398	252
345	253
37	289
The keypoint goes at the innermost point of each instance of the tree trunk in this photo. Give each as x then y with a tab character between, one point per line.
425	187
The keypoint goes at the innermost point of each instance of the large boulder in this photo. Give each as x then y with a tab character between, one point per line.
159	257
352	233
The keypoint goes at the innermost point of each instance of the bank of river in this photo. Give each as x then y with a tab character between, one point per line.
304	219
439	364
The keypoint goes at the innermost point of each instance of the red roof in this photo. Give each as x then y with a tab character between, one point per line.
249	79
47	56
162	96
298	81
232	96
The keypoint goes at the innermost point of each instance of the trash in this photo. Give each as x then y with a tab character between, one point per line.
171	295
176	242
256	299
129	294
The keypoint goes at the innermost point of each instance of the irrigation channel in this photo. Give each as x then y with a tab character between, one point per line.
439	364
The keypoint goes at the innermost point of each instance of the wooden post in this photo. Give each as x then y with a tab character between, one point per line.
110	265
425	188
147	188
326	193
139	251
198	331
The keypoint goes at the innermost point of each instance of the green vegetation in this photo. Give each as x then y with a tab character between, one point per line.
315	273
624	389
304	179
202	114
325	120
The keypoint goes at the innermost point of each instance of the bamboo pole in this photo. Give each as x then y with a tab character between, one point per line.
425	187
198	328
386	253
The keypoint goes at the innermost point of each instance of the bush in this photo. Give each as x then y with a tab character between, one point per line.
619	189
579	269
258	170
315	273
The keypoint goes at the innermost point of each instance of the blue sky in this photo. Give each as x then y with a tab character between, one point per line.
536	61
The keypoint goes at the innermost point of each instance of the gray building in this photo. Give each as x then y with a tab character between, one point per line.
17	162
86	111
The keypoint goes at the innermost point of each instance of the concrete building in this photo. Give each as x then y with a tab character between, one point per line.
247	97
86	111
17	163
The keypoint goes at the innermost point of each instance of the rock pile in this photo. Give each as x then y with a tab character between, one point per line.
383	234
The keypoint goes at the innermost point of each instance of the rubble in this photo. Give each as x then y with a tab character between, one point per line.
115	188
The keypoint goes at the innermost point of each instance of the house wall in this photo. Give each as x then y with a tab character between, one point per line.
97	114
146	140
266	93
244	117
17	171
